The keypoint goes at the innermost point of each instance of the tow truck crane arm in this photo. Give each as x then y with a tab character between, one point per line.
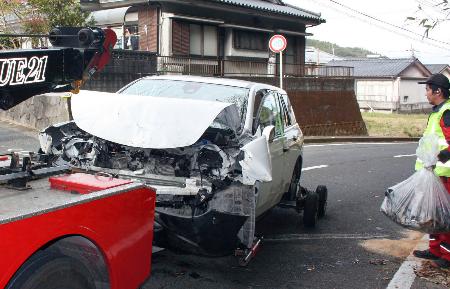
77	55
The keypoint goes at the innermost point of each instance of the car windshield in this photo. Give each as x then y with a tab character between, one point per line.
190	90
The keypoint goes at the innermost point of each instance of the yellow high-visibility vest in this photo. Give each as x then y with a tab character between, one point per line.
434	127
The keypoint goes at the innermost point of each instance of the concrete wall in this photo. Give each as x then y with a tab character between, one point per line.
322	106
38	112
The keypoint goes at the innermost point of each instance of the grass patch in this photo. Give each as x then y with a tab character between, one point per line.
393	124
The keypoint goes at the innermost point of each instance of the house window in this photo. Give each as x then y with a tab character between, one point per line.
250	40
203	40
210	43
194	39
180	38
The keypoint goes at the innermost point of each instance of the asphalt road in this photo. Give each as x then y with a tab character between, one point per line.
329	256
17	138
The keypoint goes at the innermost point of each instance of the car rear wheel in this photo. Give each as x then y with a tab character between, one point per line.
295	182
310	210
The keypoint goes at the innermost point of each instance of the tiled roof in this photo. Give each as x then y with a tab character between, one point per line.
376	67
271	7
436	68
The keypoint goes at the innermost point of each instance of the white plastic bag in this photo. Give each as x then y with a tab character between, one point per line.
421	202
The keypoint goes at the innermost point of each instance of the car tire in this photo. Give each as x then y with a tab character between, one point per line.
294	187
322	192
310	210
52	271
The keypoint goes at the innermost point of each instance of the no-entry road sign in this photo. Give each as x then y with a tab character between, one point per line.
277	43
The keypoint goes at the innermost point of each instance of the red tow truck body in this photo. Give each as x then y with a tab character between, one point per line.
95	233
114	224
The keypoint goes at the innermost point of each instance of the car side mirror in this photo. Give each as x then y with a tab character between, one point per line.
269	133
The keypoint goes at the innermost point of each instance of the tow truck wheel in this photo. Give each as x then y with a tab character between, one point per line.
310	210
322	192
51	271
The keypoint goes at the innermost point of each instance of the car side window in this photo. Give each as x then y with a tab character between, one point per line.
270	114
285	110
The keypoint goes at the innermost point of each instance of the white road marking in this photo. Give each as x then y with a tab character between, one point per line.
14	150
405	276
402	156
294	237
362	143
314	167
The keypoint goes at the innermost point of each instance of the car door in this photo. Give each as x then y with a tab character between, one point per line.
292	141
269	114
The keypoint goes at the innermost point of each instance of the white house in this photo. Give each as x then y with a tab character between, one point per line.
388	84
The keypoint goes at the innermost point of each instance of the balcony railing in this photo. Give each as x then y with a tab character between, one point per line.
220	67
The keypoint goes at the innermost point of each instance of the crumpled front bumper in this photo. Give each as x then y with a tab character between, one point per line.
212	233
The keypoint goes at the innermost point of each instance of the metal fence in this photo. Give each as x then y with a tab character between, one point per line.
124	67
221	67
127	66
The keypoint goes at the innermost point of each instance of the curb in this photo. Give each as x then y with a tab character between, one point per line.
336	139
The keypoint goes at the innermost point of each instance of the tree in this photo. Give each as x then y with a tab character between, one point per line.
337	50
60	13
39	17
431	13
11	13
47	14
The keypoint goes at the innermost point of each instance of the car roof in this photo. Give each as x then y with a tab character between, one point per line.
214	80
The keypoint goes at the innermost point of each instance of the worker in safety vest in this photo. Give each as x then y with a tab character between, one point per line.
437	92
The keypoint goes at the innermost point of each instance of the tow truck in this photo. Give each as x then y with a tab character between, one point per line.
60	228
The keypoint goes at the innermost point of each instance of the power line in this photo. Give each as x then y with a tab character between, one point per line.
387	23
441	8
417	37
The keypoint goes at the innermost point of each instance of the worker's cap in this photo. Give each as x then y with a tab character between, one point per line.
437	79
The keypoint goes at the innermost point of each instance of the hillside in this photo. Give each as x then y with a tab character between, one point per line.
338	50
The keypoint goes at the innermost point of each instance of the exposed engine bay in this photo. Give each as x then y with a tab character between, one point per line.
200	188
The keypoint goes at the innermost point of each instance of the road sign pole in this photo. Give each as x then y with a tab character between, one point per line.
277	44
281	69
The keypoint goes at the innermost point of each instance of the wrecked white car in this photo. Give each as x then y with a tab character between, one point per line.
219	152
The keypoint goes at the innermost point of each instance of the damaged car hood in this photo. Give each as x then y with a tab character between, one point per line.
149	122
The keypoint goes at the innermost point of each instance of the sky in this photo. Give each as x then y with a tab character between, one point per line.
351	29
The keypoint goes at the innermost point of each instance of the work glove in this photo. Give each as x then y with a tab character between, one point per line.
444	156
